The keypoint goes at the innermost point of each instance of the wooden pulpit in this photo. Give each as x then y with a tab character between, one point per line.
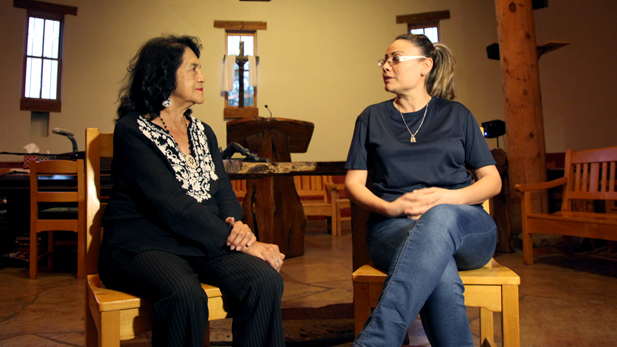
272	207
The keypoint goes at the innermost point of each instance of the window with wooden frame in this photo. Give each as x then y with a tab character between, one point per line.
241	34
424	23
246	39
42	63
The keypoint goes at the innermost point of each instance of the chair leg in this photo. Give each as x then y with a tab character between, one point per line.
336	222
361	307
486	324
34	254
81	254
109	336
91	332
510	316
527	248
50	250
207	339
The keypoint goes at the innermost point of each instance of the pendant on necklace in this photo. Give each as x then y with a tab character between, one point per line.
412	139
191	161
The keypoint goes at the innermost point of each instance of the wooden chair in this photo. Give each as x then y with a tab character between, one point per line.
111	315
340	204
588	176
239	187
321	197
60	215
492	288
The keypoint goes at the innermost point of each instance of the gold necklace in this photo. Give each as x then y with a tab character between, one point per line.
190	160
413	135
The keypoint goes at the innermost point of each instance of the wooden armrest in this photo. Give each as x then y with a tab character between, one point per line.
542	185
335	186
333	190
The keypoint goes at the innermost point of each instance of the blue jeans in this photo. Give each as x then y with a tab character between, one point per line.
423	258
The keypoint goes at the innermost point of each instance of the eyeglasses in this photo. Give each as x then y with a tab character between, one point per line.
397	59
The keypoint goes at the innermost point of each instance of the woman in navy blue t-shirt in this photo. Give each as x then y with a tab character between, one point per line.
426	219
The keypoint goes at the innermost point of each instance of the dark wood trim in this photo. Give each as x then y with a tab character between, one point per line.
426	17
11	164
422	25
40	105
45	7
244	112
240	25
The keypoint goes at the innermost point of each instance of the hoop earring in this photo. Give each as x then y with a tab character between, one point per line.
167	103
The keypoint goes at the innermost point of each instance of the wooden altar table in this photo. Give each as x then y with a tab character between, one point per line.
289	240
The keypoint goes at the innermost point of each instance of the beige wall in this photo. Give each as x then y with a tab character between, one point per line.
318	64
579	81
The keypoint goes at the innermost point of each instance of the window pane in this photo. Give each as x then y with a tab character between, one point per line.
33	78
49	80
232	45
430	32
52	38
53	82
35	36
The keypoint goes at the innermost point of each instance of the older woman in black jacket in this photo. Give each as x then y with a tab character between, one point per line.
173	220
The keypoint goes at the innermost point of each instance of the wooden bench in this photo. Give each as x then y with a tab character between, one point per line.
588	176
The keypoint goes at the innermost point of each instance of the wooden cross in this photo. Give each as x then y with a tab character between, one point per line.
241	59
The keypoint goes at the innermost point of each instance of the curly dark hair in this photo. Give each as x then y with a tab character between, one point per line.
152	75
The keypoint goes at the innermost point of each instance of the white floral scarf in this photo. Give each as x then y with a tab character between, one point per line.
195	180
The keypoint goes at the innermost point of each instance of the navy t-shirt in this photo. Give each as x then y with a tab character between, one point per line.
449	142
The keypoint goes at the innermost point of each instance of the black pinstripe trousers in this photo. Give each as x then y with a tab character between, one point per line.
180	306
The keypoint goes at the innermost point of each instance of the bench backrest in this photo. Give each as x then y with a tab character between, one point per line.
312	187
590	174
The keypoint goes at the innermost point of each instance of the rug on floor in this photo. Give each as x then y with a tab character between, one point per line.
327	326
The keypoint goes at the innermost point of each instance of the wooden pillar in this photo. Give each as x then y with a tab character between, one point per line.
522	101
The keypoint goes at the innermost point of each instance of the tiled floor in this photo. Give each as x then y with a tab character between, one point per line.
562	302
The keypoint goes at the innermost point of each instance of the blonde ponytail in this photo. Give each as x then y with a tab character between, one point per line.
440	81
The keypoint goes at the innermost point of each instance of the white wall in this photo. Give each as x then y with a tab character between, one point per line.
317	64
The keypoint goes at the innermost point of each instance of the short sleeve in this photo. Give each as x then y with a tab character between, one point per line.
357	156
477	153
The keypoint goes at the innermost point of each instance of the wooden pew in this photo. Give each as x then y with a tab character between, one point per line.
588	176
319	196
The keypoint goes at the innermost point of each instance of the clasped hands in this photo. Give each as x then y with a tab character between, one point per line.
413	205
243	240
